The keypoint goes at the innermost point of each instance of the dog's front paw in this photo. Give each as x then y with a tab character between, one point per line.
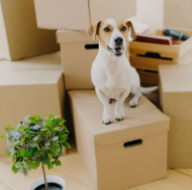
119	115
106	118
133	103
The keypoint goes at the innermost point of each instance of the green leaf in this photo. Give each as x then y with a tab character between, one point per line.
8	154
3	137
51	116
21	127
58	121
57	163
55	138
55	148
67	145
18	165
28	135
37	116
26	166
14	169
50	166
35	138
47	144
16	143
33	165
32	152
36	127
25	153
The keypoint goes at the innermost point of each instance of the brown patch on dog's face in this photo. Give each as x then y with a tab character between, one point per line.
113	34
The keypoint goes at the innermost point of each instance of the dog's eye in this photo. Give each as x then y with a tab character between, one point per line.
107	29
123	28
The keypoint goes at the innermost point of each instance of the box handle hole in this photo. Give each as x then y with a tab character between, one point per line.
92	46
133	143
154	55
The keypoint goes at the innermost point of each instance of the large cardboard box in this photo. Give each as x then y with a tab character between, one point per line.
50	61
77	15
177	13
175	98
78	52
25	93
146	57
123	154
19	35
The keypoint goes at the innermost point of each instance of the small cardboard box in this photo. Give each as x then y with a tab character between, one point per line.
19	35
78	52
25	93
146	57
123	154
175	100
77	15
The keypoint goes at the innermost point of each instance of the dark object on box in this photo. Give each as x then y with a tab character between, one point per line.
176	35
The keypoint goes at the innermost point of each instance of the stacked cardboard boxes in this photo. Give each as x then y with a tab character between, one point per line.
175	98
19	36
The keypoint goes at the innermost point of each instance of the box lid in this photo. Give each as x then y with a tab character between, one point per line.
67	36
176	78
30	77
44	62
142	121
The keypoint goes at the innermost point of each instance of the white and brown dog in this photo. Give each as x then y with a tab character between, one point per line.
112	74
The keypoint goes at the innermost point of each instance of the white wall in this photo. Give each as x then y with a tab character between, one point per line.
4	49
151	12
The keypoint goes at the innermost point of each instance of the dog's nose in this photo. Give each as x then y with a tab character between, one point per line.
119	41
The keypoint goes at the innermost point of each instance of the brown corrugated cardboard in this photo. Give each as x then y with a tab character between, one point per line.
177	13
77	58
19	35
77	15
112	164
25	93
44	62
175	99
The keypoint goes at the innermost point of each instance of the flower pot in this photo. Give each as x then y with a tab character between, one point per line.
54	182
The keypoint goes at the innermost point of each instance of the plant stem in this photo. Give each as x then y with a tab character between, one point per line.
44	175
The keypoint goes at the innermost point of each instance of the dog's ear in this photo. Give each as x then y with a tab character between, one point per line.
133	33
93	30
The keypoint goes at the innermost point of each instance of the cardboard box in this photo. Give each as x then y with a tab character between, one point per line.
50	61
123	154
25	93
148	56
78	15
78	51
19	35
175	99
177	13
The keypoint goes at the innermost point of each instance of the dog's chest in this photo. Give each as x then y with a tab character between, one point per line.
113	81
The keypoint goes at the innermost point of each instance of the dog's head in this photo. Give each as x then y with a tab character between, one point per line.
113	34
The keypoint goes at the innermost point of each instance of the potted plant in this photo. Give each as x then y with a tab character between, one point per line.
37	141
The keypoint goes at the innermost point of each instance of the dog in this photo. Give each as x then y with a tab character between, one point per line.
111	73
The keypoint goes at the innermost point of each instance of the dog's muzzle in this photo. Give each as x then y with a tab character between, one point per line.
117	51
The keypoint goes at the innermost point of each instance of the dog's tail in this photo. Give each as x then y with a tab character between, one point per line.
148	89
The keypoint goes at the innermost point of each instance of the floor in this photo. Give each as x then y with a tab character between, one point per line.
76	177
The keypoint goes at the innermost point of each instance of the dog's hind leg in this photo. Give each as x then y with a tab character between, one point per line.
136	96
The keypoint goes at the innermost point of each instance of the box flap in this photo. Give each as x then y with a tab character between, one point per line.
67	36
30	77
176	78
142	121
